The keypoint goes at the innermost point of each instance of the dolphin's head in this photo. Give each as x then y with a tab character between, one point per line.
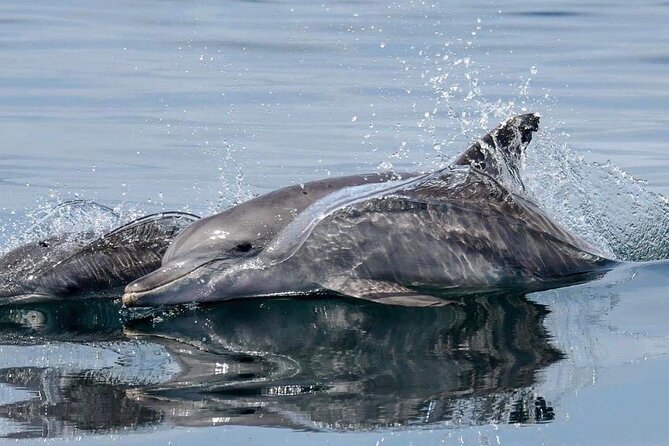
196	280
207	253
210	244
199	259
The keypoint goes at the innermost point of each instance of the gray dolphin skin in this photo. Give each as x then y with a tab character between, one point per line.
69	264
465	227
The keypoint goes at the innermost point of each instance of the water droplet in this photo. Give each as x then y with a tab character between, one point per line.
385	165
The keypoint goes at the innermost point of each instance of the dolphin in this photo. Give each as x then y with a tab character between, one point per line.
74	264
248	227
68	264
465	227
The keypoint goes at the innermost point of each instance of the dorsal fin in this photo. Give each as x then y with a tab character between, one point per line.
498	153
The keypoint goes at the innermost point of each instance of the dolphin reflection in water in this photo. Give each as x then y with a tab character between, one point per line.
322	364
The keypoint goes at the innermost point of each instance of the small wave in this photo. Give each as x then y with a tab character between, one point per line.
73	216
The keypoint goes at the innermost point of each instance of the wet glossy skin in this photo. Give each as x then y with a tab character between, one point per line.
476	235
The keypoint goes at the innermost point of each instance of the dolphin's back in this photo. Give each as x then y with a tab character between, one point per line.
472	221
469	187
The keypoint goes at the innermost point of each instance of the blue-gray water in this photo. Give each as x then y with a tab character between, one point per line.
195	105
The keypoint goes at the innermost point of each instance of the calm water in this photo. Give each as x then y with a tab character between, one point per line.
195	105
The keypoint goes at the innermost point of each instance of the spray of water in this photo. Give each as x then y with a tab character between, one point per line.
233	188
600	202
597	201
77	220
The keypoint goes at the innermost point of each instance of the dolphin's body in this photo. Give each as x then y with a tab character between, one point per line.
463	227
69	264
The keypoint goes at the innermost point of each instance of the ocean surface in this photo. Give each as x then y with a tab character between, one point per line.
143	106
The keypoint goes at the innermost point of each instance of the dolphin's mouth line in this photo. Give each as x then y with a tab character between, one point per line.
132	296
190	271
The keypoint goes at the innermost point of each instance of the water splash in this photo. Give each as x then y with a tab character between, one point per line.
71	216
233	188
600	202
79	220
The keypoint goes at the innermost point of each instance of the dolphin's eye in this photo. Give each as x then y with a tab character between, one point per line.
243	247
44	244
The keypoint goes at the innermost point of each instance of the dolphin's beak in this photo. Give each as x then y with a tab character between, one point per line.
162	285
